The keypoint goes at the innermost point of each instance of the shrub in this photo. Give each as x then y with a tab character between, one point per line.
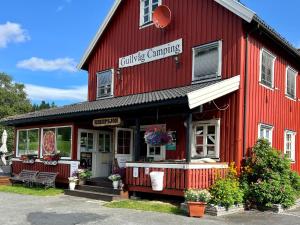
197	195
267	178
226	191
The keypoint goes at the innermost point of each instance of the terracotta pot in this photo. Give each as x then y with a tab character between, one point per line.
196	209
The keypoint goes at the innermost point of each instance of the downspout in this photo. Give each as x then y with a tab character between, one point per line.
246	88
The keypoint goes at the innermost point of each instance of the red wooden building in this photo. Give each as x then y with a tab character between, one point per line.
216	78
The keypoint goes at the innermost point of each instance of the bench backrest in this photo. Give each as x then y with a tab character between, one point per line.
46	175
28	173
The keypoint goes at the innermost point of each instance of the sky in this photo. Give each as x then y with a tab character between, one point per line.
41	42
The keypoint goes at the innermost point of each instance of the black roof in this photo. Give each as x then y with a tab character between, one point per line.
107	104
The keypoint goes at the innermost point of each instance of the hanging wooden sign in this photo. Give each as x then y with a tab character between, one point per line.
103	122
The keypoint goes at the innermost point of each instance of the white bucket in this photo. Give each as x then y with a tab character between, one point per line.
157	180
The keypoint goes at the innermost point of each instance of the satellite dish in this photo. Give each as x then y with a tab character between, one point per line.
161	16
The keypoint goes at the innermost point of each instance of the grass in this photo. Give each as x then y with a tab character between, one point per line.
144	205
19	189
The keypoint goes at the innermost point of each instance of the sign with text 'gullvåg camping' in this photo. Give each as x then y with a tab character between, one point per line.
152	54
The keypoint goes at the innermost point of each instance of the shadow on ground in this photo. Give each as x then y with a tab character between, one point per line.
38	218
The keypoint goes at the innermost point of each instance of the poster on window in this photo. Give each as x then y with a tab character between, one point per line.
49	143
172	145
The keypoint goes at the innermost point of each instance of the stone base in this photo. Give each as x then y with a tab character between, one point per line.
278	208
216	210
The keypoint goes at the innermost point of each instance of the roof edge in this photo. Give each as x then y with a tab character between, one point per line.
98	34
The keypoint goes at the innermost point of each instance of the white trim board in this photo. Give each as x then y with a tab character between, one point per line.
184	166
214	91
232	5
237	8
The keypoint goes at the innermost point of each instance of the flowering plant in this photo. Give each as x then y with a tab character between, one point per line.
51	157
114	177
197	195
83	174
73	179
157	137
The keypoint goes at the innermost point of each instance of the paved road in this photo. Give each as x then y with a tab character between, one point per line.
66	210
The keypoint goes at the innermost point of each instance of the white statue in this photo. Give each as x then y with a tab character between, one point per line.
3	149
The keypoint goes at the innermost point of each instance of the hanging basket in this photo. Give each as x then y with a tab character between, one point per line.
157	137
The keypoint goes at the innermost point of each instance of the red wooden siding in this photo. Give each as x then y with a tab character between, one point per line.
206	22
175	180
63	170
271	106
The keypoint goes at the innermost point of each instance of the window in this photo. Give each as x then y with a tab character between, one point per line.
207	61
146	9
57	140
124	140
290	144
28	142
267	68
105	84
156	152
206	139
86	141
265	132
104	142
290	89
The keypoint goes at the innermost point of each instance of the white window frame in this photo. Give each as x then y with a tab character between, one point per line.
17	141
217	124
293	144
266	126
219	44
110	138
150	22
112	84
55	127
295	80
263	50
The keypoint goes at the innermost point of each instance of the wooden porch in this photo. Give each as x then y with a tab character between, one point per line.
177	176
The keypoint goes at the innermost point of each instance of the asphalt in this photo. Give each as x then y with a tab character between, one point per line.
66	210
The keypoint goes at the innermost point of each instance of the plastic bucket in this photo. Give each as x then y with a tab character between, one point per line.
157	180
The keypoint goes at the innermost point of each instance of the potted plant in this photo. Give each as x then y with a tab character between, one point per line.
72	182
196	201
83	175
115	178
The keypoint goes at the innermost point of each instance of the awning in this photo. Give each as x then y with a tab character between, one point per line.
193	95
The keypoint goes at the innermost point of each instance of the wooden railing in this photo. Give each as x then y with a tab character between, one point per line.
177	177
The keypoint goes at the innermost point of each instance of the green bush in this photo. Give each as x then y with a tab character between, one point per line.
226	191
267	178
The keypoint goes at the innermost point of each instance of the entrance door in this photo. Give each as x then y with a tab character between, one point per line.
104	154
86	149
123	146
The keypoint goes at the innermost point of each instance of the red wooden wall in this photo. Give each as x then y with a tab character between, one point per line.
271	106
197	22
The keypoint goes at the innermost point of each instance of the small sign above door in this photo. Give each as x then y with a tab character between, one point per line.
103	122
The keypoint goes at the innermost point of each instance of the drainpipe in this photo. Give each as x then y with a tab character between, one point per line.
188	137
246	88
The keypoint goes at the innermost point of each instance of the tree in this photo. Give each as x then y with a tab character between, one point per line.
43	105
13	101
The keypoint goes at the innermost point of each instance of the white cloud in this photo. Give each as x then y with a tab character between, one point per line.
12	33
41	93
39	64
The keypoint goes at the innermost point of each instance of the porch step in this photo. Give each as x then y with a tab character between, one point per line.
93	195
98	189
102	182
4	180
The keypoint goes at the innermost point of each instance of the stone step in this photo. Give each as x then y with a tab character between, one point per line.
100	183
98	189
92	195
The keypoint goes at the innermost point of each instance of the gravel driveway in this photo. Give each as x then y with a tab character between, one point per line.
66	210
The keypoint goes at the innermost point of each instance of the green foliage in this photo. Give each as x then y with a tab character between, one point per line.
13	101
193	195
226	191
267	178
19	189
43	105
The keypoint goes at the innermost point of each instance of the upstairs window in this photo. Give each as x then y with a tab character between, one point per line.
105	84
267	68
290	144
146	9
207	61
265	132
290	89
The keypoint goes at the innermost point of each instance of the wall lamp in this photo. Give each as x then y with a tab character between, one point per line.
176	59
119	73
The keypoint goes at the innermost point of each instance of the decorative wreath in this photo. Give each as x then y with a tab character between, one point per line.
49	143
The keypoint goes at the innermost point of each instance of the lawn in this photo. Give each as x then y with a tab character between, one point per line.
19	189
145	205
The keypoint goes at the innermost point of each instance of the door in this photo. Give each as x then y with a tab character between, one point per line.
123	146
104	154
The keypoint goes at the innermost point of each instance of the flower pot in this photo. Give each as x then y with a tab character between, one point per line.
72	185
196	209
115	184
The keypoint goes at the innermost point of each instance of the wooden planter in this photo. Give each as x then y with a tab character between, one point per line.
196	209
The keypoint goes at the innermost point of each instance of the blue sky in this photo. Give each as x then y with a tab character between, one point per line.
41	42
